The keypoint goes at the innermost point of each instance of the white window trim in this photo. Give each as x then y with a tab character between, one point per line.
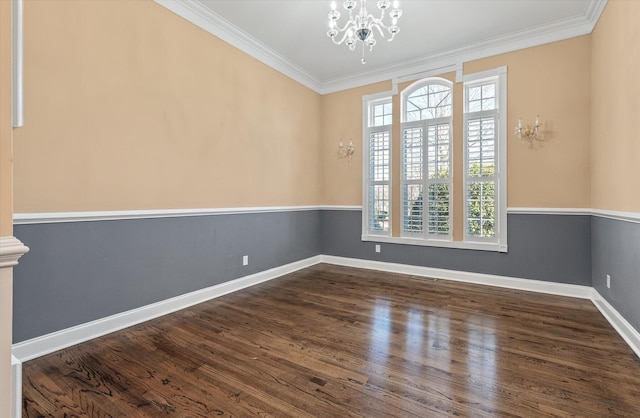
367	101
443	243
500	239
501	155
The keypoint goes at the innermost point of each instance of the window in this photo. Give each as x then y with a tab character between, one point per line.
377	219
485	208
425	167
426	159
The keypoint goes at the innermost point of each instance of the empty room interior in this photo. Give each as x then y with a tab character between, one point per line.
209	209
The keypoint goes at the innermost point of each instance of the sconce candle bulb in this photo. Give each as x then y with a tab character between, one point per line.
529	133
346	153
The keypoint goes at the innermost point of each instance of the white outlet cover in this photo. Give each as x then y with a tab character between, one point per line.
608	281
245	260
377	248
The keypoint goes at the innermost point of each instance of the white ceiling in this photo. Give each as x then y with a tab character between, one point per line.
290	35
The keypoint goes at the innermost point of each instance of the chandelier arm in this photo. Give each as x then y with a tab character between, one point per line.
380	23
360	25
351	23
348	26
344	37
384	36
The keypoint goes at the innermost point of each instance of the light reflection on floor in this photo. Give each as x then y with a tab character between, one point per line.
481	359
414	335
428	341
380	331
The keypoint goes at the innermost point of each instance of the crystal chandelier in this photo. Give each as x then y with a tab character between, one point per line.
360	27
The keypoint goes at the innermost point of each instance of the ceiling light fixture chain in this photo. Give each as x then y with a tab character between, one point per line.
360	26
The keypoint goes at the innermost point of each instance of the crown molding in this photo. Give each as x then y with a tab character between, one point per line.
539	35
196	13
594	10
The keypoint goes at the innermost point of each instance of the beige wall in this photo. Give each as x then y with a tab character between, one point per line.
615	108
551	80
128	106
342	119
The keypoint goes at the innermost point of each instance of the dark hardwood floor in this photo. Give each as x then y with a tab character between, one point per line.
331	341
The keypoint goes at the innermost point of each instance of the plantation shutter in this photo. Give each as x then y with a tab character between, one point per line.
378	187
481	121
426	161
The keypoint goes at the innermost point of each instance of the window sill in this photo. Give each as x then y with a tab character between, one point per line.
462	245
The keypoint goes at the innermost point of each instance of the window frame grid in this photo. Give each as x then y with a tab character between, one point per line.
500	157
406	93
482	115
425	181
498	77
367	173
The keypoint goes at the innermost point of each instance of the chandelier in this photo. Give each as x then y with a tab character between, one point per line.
360	27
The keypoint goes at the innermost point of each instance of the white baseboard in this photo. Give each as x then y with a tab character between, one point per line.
50	343
16	388
617	321
621	325
46	344
562	289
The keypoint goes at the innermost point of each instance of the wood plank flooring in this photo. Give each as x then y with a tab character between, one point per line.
331	341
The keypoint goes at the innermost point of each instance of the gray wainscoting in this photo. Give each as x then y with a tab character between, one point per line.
615	251
554	248
77	272
81	271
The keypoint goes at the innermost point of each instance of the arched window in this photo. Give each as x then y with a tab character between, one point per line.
426	171
426	180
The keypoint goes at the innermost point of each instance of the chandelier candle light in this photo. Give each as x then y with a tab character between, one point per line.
360	27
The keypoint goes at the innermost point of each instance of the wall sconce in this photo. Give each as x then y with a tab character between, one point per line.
530	132
346	152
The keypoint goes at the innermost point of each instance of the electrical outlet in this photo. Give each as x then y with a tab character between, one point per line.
377	248
608	281
245	260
